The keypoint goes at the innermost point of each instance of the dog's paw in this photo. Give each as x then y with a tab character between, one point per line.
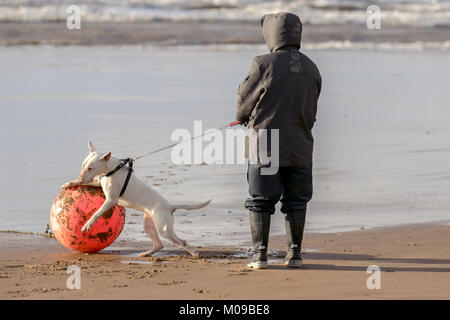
86	227
65	186
145	254
68	185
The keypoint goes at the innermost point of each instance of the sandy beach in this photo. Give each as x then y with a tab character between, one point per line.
138	70
414	262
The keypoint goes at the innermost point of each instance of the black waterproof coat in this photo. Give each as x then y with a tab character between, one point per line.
281	90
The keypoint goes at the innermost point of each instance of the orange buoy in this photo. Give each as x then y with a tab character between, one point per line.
73	207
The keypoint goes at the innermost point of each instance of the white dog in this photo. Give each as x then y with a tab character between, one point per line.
158	212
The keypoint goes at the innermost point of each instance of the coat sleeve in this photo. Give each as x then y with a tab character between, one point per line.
249	93
319	89
319	83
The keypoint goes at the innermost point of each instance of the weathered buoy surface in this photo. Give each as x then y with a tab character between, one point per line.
73	207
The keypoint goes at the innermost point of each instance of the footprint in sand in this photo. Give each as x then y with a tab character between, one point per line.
171	283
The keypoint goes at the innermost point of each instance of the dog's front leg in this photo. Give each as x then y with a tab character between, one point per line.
70	184
108	204
91	184
76	183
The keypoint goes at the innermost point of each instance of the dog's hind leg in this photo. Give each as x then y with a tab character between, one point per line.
168	233
174	238
152	232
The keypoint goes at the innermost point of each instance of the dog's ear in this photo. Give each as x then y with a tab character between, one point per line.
91	147
106	157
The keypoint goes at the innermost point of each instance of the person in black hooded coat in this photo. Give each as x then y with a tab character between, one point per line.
281	92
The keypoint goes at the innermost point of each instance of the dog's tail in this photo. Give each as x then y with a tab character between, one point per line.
191	206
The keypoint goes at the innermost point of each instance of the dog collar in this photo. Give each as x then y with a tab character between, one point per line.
123	163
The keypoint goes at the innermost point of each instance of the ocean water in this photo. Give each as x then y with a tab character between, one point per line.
382	153
400	12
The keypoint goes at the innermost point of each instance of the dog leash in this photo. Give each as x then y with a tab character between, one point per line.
231	124
129	161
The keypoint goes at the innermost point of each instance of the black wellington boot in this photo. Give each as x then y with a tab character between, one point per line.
295	225
260	226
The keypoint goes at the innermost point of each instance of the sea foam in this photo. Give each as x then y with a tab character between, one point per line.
397	12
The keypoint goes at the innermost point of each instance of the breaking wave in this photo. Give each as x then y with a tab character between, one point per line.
395	12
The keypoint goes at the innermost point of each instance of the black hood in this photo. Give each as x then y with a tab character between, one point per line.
281	30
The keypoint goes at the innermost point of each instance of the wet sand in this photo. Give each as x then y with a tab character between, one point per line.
414	262
378	161
206	32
